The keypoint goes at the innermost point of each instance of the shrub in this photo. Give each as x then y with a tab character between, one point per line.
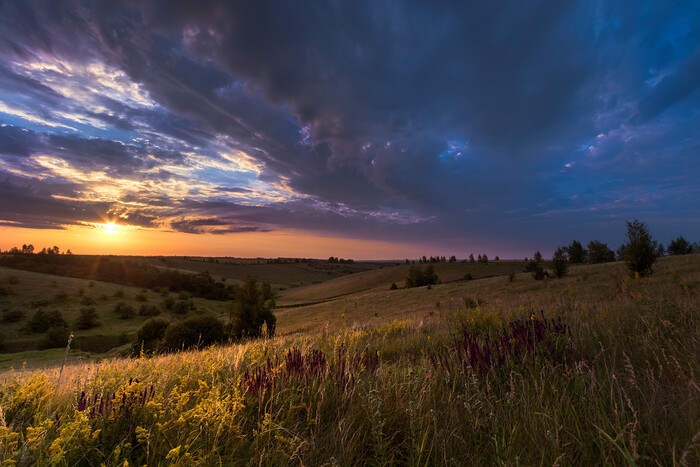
60	296
181	307
195	331
12	316
252	309
418	278
3	290
56	336
169	303
88	300
141	297
576	252
599	252
680	246
640	250
149	336
87	319
534	267
12	280
149	310
393	286
119	293
125	311
42	321
560	262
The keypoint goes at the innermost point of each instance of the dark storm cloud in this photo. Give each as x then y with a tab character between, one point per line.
468	118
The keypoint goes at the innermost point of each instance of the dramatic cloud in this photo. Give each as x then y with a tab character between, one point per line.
452	123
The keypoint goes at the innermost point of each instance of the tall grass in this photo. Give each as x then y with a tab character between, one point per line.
588	382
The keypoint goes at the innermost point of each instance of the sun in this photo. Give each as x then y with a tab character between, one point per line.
110	228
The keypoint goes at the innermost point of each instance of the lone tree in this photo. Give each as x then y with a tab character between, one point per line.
640	249
680	246
560	262
534	266
576	252
252	308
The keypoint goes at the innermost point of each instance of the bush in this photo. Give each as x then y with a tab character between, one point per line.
56	336
599	252
124	310
42	321
534	267
12	316
149	336
141	297
169	303
181	307
252	308
12	280
576	252
393	286
418	278
87	319
640	249
60	296
560	262
149	310
680	246
195	331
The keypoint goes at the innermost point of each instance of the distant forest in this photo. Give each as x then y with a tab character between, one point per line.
118	270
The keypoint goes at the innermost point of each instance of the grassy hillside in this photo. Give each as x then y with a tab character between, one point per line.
594	369
30	292
283	275
381	279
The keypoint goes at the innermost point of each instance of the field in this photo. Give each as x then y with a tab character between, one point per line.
597	368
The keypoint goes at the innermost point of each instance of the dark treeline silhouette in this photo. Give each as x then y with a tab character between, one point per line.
119	270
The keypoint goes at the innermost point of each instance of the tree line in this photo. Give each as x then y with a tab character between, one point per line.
117	270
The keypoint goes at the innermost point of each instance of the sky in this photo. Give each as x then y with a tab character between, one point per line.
363	129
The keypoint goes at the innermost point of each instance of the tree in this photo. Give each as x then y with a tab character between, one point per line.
560	262
453	259
640	251
598	252
471	257
87	319
680	246
576	252
251	309
28	249
149	336
418	278
200	331
534	267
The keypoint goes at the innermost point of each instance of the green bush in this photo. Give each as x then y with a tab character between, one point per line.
124	310
149	310
149	336
42	321
199	331
56	336
87	319
560	262
182	307
680	246
252	308
12	316
640	250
